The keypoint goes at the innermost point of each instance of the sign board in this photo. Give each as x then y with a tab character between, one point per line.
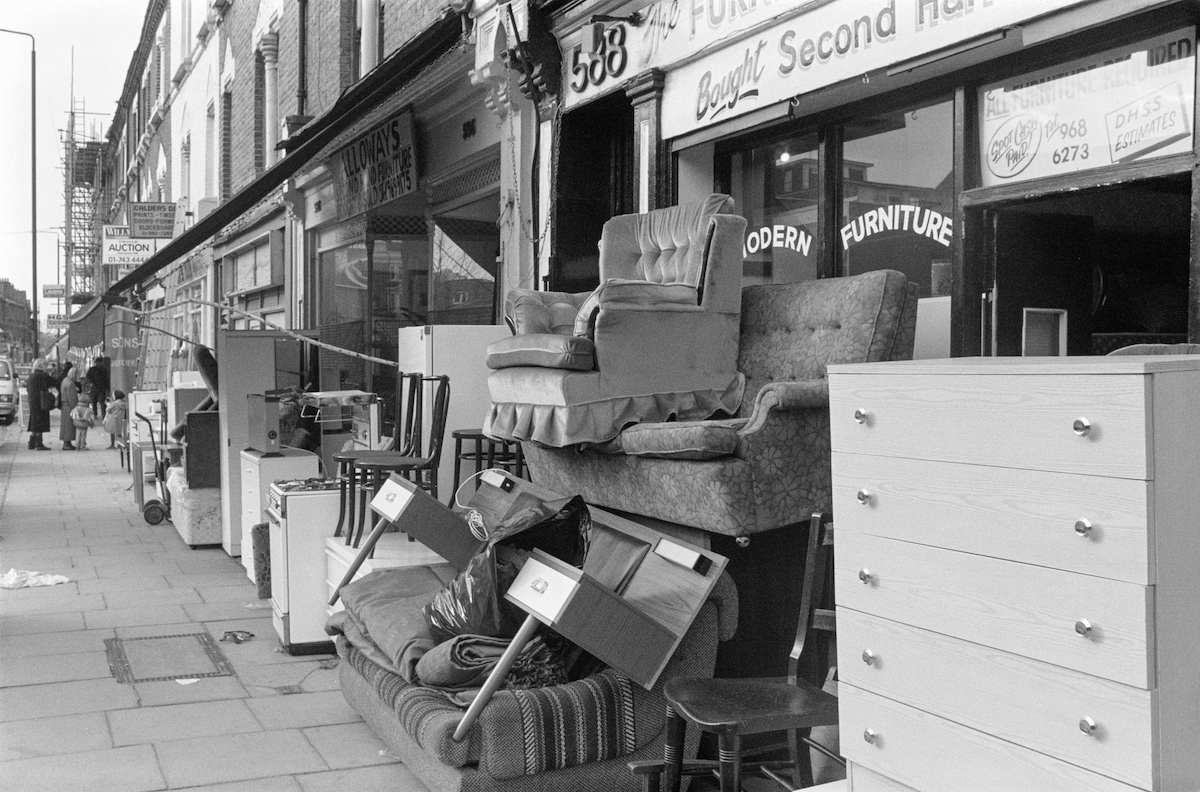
54	290
118	247
1122	105
56	320
378	166
830	42
151	220
666	32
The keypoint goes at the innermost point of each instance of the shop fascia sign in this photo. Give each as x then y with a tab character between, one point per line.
1121	105
667	32
118	247
376	167
826	44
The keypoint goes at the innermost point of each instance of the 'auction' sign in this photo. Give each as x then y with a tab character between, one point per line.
377	167
1122	105
118	247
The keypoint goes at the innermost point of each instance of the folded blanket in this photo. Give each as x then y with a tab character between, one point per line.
464	661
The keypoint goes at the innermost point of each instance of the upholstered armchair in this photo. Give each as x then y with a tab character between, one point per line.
657	340
769	466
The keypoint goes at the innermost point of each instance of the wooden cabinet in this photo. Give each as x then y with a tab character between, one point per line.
1016	573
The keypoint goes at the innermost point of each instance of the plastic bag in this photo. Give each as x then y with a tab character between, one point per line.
473	602
15	578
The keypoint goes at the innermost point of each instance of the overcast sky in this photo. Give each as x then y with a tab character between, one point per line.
103	34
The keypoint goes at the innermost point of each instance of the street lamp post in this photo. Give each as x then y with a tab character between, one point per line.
32	170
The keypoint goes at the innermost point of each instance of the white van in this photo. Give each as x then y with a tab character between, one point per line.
10	391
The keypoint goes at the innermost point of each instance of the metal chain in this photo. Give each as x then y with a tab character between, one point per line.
512	145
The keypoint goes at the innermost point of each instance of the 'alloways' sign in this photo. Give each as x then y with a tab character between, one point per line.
377	167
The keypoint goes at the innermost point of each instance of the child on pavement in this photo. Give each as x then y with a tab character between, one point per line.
82	417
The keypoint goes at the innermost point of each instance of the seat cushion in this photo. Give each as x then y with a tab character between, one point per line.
545	350
679	439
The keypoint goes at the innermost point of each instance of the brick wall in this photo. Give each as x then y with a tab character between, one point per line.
236	31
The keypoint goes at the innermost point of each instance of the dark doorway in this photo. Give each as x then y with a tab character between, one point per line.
1111	264
593	183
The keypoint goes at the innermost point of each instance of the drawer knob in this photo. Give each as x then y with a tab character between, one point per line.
1084	628
1082	426
1087	726
1083	527
870	736
868	657
864	497
866	576
862	415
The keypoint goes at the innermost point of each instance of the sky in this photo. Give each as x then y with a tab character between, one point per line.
103	35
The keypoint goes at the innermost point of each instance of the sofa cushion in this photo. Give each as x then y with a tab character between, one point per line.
679	439
546	350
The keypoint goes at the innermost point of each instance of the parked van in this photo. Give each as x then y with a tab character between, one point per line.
10	391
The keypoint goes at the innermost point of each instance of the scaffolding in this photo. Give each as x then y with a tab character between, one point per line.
82	158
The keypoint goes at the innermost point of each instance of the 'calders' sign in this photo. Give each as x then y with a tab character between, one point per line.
377	167
834	41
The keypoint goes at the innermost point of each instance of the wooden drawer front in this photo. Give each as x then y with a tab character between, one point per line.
932	754
1020	515
1021	608
1025	701
860	779
1005	420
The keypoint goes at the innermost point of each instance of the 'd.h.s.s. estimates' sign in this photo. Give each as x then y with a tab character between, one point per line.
376	167
1121	105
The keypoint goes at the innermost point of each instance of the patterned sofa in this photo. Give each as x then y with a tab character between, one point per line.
768	466
577	736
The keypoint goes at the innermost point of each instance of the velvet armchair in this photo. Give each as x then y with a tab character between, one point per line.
657	340
769	466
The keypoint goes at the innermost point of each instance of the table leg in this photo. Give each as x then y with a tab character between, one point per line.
497	677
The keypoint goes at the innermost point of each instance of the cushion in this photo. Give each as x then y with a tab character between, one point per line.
547	350
631	292
679	439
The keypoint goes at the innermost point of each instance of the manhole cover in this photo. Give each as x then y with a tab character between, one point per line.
163	657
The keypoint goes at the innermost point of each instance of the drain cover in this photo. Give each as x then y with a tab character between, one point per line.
164	657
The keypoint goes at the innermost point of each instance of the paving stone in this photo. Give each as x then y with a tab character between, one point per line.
40	669
65	698
346	745
27	739
132	769
302	710
211	760
378	778
181	721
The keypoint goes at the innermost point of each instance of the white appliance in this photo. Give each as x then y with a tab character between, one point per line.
457	351
301	515
258	470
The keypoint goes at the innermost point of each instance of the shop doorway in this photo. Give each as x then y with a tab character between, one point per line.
1088	272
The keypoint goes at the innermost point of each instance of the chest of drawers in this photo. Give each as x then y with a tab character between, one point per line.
1017	573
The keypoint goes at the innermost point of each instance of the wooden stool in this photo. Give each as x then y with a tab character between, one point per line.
504	454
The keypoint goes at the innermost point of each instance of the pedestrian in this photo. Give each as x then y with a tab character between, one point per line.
68	397
98	375
39	403
83	419
114	418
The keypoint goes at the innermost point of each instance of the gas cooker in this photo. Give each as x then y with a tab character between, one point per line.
305	485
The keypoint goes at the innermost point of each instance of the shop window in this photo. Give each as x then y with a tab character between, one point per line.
898	194
343	274
399	282
775	188
463	278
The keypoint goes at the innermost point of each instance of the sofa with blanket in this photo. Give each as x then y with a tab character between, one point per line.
573	736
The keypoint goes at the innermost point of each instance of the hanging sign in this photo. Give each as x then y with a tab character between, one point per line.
825	44
54	291
378	166
1121	105
118	247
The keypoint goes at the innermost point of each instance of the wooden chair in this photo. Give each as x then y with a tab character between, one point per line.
406	435
733	708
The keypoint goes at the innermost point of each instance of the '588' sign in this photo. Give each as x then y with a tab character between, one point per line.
592	72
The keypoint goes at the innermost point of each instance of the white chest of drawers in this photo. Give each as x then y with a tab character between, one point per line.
1017	573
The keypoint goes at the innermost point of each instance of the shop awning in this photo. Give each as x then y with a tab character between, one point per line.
393	72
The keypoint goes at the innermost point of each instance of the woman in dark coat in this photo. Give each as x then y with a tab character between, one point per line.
36	389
